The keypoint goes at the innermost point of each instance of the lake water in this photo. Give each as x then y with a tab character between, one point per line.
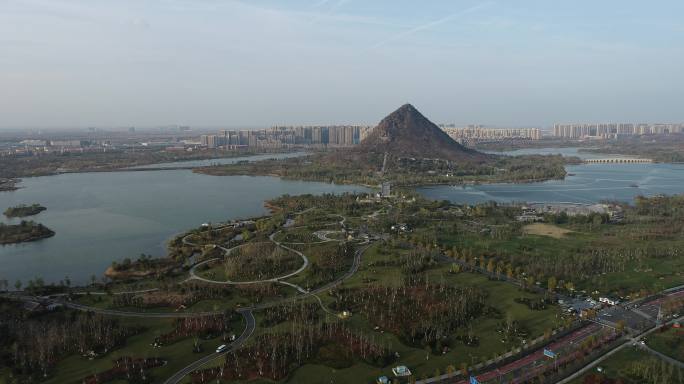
102	217
585	183
221	161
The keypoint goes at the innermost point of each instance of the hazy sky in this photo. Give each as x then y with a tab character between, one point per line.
231	63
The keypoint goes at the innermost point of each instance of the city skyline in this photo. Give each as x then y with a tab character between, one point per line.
71	63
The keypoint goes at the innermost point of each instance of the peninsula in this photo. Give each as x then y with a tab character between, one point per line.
23	232
24	210
405	148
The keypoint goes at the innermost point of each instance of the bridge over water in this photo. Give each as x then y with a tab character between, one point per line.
618	160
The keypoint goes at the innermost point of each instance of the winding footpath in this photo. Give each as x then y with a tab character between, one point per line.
246	312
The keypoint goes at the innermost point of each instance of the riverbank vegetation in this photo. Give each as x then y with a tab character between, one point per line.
144	266
23	232
24	210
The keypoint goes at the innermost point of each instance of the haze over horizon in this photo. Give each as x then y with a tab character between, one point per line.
230	63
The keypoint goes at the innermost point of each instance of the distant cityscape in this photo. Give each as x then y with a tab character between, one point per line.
613	130
182	138
288	136
477	133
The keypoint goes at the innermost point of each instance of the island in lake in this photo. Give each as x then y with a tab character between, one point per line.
8	184
24	210
23	232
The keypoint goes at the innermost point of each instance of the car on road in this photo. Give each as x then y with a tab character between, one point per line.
222	348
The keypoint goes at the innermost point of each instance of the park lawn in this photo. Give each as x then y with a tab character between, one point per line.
213	271
307	278
670	342
216	270
296	235
214	305
614	366
501	296
541	246
97	301
321	374
651	274
74	368
544	229
5	375
178	355
207	305
369	272
106	302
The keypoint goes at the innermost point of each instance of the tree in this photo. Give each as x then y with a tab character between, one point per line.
17	285
569	286
552	283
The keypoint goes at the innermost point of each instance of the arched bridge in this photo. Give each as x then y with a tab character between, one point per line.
618	160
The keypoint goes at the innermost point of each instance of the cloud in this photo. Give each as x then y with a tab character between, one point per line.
320	3
139	23
431	24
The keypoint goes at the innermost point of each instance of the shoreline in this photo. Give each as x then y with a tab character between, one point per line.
30	239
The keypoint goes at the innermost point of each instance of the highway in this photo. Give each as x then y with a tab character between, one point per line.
633	340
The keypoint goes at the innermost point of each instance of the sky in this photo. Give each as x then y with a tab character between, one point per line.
232	63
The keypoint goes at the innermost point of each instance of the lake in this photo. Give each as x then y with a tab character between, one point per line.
102	217
221	161
585	183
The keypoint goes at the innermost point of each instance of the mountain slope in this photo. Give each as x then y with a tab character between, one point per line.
407	133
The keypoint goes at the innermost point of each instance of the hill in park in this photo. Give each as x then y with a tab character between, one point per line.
406	133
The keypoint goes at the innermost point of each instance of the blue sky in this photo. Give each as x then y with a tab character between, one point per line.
257	63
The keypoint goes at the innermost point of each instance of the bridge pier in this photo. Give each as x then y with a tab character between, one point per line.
619	160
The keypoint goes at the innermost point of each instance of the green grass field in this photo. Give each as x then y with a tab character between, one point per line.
670	342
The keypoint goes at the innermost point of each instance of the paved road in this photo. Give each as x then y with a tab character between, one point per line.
249	330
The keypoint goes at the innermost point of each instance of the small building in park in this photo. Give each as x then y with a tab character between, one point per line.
401	371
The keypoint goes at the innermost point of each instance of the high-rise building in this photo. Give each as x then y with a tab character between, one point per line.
608	130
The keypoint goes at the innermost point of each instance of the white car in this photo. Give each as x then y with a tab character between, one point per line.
222	348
